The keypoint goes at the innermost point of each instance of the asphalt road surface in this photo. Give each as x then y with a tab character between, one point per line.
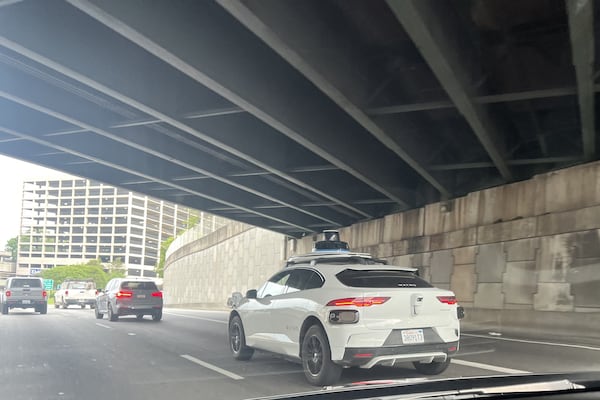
68	354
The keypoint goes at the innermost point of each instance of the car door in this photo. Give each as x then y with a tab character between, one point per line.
102	298
290	309
258	319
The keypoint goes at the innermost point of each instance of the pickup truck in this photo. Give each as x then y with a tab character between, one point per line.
24	293
76	292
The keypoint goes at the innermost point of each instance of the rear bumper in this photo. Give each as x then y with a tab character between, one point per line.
87	302
138	310
367	357
25	303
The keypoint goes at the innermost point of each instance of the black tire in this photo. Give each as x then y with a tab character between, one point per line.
432	368
44	309
4	309
111	315
157	316
56	305
316	358
237	340
98	315
64	305
139	317
83	306
92	306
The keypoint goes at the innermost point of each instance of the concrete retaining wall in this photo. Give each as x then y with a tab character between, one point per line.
204	271
532	247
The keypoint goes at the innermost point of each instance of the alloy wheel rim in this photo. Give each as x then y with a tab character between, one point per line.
314	355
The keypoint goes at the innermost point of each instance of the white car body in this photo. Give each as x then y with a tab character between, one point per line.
413	324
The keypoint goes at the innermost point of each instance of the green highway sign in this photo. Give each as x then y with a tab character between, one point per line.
48	284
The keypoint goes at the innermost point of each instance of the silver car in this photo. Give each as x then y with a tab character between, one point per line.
126	296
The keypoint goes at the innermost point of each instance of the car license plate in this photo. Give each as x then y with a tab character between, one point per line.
26	302
141	296
413	336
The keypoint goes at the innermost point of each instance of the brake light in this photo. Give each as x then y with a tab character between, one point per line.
96	292
66	292
124	293
7	293
358	301
157	294
44	294
447	299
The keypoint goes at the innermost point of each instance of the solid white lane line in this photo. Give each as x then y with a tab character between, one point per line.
575	346
104	326
488	367
212	367
194	317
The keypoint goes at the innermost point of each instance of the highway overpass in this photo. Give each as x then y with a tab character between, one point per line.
299	116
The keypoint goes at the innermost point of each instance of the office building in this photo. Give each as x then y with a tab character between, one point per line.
72	221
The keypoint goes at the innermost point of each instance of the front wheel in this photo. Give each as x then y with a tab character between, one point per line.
237	340
432	368
316	358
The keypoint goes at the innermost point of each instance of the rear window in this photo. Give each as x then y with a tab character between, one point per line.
139	286
23	283
377	278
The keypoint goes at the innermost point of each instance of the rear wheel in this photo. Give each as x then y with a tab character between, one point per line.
157	316
139	317
316	358
83	306
237	340
44	309
432	368
4	309
98	315
111	315
56	305
64	305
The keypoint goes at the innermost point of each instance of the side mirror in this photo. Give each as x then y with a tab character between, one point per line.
460	312
57	287
251	294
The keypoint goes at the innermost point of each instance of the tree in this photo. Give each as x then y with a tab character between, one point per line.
12	246
160	266
92	270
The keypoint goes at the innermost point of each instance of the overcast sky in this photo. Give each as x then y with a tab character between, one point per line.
14	173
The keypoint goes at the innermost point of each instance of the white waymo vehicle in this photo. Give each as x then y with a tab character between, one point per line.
335	309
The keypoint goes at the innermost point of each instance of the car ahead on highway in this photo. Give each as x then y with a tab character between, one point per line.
127	296
334	310
21	292
76	292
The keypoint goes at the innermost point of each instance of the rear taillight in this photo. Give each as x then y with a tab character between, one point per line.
157	294
357	301
66	292
44	294
7	293
96	292
124	294
447	299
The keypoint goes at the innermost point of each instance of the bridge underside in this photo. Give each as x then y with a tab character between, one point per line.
299	116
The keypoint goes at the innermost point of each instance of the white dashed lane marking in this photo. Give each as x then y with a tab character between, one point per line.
212	367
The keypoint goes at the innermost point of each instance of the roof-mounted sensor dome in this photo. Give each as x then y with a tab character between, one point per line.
331	242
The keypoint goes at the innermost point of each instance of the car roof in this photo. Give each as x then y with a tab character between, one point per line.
343	260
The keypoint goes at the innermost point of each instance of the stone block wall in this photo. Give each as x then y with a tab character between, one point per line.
526	247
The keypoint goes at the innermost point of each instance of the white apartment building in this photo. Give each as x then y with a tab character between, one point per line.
72	221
